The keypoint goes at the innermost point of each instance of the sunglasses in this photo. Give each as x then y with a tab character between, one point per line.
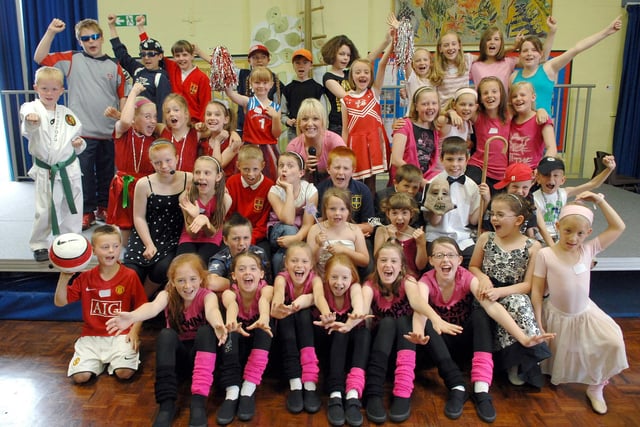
95	36
150	54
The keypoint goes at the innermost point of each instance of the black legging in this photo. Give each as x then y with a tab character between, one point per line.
295	332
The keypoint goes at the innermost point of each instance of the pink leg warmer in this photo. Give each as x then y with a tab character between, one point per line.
202	378
405	373
355	380
309	362
482	367
256	364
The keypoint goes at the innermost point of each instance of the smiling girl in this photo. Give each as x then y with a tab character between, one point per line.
219	141
194	330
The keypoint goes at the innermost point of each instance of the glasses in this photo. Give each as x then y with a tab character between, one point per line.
440	255
95	36
150	54
499	215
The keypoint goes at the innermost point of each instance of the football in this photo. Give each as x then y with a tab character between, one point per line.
70	252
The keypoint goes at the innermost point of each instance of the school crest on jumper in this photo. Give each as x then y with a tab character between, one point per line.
258	204
193	88
356	202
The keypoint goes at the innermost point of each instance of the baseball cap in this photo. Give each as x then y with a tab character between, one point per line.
304	53
151	44
549	164
516	172
258	48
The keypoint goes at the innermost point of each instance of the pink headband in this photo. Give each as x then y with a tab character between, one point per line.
575	209
141	100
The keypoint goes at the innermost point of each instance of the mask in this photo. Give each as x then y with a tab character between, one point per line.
438	199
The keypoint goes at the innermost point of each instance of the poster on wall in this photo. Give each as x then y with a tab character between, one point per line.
469	18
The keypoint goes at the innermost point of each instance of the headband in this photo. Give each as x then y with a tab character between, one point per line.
575	209
161	141
300	159
463	91
422	89
141	100
213	159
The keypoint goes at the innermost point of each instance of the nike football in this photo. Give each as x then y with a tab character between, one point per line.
70	252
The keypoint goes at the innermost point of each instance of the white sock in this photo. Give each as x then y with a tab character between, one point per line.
295	384
335	394
481	387
248	388
352	394
232	392
310	386
458	387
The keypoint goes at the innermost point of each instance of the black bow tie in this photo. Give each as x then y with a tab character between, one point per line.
461	179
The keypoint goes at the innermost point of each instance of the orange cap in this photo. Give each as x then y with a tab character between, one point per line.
304	53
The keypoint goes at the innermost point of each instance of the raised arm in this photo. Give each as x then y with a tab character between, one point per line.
42	50
128	111
551	36
596	181
615	224
553	66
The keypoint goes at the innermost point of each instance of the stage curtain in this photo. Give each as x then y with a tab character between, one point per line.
627	127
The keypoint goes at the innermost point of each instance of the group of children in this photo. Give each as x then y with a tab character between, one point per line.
240	251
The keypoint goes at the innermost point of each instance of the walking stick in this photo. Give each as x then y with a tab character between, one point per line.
485	165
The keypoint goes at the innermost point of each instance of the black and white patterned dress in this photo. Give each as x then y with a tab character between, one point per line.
506	268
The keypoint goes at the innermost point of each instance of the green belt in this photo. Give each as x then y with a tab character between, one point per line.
66	187
126	180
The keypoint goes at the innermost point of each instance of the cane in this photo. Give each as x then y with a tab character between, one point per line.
485	165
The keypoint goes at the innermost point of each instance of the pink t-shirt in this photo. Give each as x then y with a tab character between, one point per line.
500	69
485	128
331	140
526	144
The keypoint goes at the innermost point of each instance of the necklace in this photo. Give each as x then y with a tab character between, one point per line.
136	162
183	141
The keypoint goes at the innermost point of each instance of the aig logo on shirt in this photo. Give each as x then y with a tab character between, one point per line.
105	308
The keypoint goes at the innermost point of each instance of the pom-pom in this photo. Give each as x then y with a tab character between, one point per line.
223	70
403	44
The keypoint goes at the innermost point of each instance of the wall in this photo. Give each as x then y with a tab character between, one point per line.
209	23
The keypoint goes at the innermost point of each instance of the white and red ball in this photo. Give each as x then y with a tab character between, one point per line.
70	252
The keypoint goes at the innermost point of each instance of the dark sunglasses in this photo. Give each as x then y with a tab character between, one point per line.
150	54
95	36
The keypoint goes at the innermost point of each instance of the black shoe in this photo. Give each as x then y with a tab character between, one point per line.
455	403
311	400
247	407
198	411
352	412
400	409
165	414
41	255
227	412
375	410
484	406
335	411
295	401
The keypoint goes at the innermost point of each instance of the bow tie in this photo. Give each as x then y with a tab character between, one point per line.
461	179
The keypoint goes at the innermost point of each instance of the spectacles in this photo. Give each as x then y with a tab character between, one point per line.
150	54
440	255
95	36
499	215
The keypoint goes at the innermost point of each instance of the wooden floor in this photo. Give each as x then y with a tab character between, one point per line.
34	390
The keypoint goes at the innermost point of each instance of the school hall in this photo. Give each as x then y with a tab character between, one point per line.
38	337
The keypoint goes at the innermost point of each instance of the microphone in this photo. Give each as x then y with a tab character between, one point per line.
312	152
172	171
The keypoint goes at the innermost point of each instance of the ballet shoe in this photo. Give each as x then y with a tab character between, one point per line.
599	406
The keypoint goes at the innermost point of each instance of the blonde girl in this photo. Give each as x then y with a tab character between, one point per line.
401	210
134	132
451	66
347	340
456	118
291	198
294	293
416	141
246	355
157	217
362	127
193	331
335	234
204	207
177	129
529	140
590	348
503	263
419	73
262	125
219	140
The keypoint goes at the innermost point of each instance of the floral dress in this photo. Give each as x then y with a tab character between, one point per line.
506	268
